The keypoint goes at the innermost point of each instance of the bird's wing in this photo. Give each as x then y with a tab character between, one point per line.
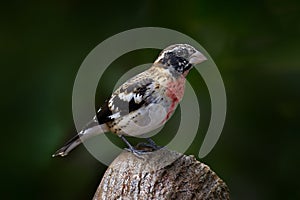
129	97
104	114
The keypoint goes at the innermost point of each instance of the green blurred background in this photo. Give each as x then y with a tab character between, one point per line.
255	44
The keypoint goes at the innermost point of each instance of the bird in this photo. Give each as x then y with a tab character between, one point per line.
143	103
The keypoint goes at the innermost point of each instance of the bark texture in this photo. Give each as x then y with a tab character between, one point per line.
161	174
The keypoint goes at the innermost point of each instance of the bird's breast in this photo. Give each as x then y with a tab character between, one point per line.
175	92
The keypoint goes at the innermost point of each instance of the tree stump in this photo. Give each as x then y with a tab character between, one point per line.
162	174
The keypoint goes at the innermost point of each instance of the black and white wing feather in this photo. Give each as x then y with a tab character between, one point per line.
129	97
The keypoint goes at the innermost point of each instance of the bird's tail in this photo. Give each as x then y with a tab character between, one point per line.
69	146
92	129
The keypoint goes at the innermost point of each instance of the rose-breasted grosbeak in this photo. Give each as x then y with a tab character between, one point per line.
144	102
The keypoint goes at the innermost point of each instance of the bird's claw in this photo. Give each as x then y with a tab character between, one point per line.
152	146
137	153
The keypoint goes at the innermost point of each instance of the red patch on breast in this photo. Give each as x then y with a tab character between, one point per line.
175	92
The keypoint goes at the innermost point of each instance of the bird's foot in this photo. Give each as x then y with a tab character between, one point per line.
152	144
137	153
142	148
149	144
131	149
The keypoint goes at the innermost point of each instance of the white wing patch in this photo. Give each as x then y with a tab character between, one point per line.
115	115
126	97
110	103
138	98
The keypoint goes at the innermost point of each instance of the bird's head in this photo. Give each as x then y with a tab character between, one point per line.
179	58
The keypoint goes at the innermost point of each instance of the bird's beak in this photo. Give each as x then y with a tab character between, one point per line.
197	58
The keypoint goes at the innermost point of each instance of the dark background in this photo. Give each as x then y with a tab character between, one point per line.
255	44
